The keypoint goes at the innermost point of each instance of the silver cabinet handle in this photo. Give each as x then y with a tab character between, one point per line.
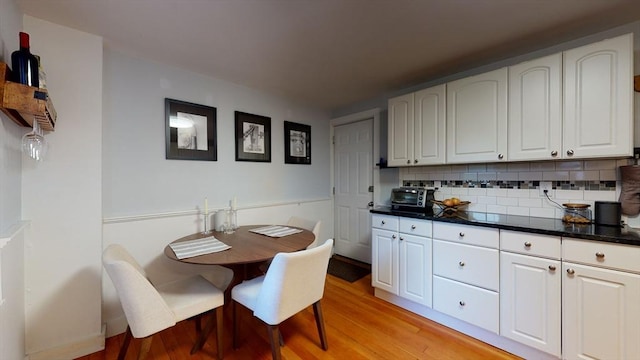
462	303
413	227
527	244
554	153
552	267
461	263
461	234
500	156
570	152
570	271
600	255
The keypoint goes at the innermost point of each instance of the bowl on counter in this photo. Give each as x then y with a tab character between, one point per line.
451	204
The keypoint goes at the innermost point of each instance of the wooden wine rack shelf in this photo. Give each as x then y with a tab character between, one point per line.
23	104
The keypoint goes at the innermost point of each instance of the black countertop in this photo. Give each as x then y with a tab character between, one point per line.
546	226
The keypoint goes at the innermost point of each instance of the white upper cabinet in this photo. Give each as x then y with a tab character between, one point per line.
417	128
477	118
598	97
535	109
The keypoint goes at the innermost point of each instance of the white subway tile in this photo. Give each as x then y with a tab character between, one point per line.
569	194
516	210
507	201
477	168
478	191
608	175
517	167
496	209
600	195
507	176
530	202
543	212
468	176
459	168
497	167
459	191
584	175
490	200
529	175
497	192
487	176
555	176
542	166
599	164
518	193
569	165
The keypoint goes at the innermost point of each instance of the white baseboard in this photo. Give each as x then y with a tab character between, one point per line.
71	351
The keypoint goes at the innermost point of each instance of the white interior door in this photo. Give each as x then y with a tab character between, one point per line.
353	182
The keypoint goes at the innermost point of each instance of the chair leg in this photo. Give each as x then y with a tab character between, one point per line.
317	310
274	339
125	344
234	309
203	335
145	347
219	329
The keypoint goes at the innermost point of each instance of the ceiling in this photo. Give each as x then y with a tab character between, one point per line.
332	53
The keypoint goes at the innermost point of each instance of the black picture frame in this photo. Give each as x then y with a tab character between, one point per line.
297	143
253	137
184	142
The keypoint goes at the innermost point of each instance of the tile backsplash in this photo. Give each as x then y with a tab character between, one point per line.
514	188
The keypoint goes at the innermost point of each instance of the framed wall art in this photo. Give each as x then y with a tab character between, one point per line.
190	131
297	143
253	137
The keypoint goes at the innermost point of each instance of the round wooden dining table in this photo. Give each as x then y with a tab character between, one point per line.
248	250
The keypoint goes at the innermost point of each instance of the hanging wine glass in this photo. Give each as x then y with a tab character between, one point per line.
34	144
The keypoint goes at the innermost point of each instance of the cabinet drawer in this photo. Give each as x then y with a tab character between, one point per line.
384	222
416	226
465	234
474	305
597	253
470	264
531	244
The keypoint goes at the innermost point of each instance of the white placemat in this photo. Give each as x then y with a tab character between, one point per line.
191	248
276	231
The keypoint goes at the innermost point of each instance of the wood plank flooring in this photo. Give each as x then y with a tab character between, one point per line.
359	326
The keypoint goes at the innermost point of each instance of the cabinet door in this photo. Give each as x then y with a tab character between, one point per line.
477	118
429	126
598	95
415	269
535	111
530	301
384	262
601	316
401	131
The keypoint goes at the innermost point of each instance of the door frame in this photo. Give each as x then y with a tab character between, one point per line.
347	119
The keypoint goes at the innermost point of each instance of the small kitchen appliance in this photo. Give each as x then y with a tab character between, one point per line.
408	198
608	213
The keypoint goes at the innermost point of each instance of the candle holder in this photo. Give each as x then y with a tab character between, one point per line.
206	229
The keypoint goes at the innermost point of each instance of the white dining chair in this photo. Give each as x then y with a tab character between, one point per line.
311	225
293	282
150	309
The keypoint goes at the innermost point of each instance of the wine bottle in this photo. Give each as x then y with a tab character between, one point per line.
24	64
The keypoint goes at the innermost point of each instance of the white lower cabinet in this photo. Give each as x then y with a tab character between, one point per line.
600	306
401	263
530	288
530	301
466	275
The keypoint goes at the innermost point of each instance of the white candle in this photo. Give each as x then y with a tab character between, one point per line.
206	206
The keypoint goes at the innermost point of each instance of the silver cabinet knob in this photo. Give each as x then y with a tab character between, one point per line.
382	222
554	153
401	238
570	271
500	156
570	152
600	255
408	161
552	267
413	227
462	303
415	161
393	236
461	263
527	244
461	234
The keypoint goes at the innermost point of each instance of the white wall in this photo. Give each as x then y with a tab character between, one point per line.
61	197
137	177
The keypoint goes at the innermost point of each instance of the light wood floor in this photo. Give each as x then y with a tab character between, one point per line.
359	326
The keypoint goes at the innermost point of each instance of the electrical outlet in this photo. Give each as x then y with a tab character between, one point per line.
545	185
